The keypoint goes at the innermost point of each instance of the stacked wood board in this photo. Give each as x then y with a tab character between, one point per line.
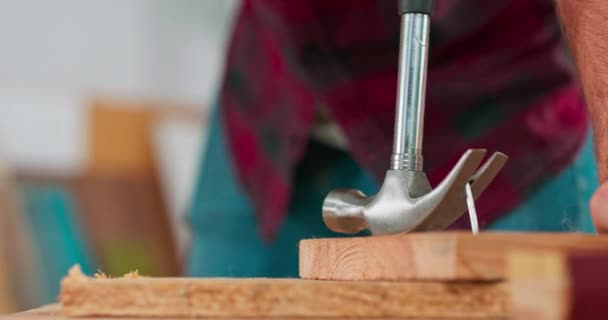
559	285
416	276
150	297
430	256
120	194
20	266
547	275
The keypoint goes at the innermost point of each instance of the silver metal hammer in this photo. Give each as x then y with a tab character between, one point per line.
406	202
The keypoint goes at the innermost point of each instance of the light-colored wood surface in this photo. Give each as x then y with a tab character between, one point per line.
540	285
282	298
120	139
428	256
53	312
554	285
120	131
7	254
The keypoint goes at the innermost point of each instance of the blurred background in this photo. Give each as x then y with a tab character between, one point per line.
101	135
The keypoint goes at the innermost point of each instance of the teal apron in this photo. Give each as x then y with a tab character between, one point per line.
225	237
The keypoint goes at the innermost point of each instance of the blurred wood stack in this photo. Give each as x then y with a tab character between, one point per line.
555	284
446	275
122	200
119	193
9	222
546	275
112	215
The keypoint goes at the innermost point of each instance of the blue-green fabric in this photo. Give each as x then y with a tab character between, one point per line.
226	241
561	204
57	234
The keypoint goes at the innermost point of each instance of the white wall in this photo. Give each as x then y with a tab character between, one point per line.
53	54
169	49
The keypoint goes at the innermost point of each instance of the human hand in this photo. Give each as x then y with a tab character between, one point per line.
599	208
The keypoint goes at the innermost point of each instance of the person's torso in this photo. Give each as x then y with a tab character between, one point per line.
497	78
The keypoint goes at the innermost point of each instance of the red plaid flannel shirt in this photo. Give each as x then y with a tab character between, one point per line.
498	78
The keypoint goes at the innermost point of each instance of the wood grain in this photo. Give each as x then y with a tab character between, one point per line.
558	285
540	281
428	256
53	312
282	298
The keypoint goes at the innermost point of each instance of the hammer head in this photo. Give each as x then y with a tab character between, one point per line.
343	210
406	201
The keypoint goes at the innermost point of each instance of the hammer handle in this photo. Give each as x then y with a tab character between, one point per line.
416	6
411	86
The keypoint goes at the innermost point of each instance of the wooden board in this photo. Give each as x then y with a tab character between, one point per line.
120	130
279	298
123	218
119	139
22	260
428	256
127	224
53	312
559	285
9	225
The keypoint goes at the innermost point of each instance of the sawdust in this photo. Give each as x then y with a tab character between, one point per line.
75	274
132	275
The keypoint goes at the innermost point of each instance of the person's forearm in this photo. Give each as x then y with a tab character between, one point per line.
585	24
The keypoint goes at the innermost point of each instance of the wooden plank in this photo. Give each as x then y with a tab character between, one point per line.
120	139
127	224
559	285
428	256
53	312
279	298
8	225
124	218
120	133
16	237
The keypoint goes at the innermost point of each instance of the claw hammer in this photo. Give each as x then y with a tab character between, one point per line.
406	202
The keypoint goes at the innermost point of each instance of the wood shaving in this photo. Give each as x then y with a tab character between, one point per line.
75	273
132	275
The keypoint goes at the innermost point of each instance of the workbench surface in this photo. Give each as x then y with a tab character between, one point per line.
53	312
491	276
